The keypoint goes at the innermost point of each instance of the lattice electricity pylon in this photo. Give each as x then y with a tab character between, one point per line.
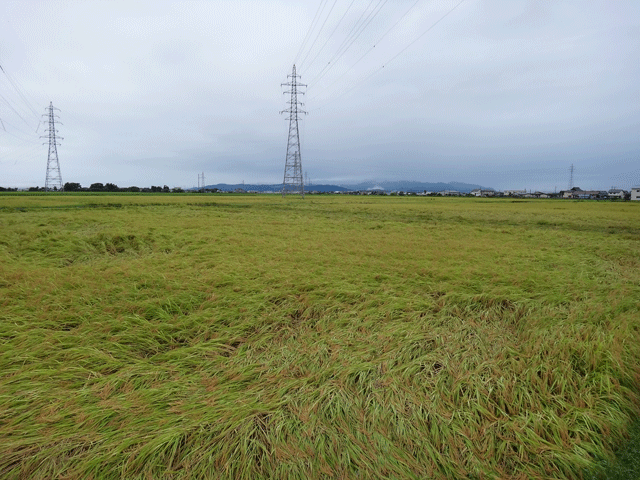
571	177
54	178
293	182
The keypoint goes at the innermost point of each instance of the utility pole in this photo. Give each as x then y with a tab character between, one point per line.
293	182
53	178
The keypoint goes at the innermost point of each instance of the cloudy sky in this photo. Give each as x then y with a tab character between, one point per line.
502	93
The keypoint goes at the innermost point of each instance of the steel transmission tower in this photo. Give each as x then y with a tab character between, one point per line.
292	182
54	178
571	177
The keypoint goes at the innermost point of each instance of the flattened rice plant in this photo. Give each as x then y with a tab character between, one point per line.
239	337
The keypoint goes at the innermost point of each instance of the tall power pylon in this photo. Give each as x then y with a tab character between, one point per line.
54	178
571	177
293	182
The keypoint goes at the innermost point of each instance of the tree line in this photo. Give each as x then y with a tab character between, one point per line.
109	187
112	187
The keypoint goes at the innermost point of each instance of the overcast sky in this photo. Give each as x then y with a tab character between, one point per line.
502	93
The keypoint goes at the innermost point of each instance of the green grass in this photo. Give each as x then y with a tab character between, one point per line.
206	336
626	463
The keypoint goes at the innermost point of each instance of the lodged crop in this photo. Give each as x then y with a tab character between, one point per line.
186	337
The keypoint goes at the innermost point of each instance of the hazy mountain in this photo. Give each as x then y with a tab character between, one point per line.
396	186
224	187
412	186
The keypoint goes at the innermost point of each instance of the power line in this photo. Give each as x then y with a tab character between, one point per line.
356	25
319	31
14	84
425	32
395	56
351	37
13	134
14	110
27	139
22	109
331	34
19	154
313	24
374	45
353	28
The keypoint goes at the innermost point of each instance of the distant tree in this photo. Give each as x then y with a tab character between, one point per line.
165	189
133	189
111	187
156	189
96	187
177	190
72	187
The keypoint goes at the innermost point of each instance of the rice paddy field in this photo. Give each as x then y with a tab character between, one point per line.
250	337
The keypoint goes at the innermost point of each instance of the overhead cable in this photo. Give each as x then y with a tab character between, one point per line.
331	34
355	26
14	110
15	85
395	56
367	21
313	24
373	46
319	31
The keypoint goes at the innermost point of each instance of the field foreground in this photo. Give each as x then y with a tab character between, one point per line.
332	337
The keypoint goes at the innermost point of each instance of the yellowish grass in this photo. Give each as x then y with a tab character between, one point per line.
162	336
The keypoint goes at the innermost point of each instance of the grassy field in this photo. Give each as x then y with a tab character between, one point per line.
246	337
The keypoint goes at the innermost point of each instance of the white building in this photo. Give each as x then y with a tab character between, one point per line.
616	193
514	193
635	193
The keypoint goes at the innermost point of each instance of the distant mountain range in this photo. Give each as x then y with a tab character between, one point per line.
411	186
224	187
389	186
